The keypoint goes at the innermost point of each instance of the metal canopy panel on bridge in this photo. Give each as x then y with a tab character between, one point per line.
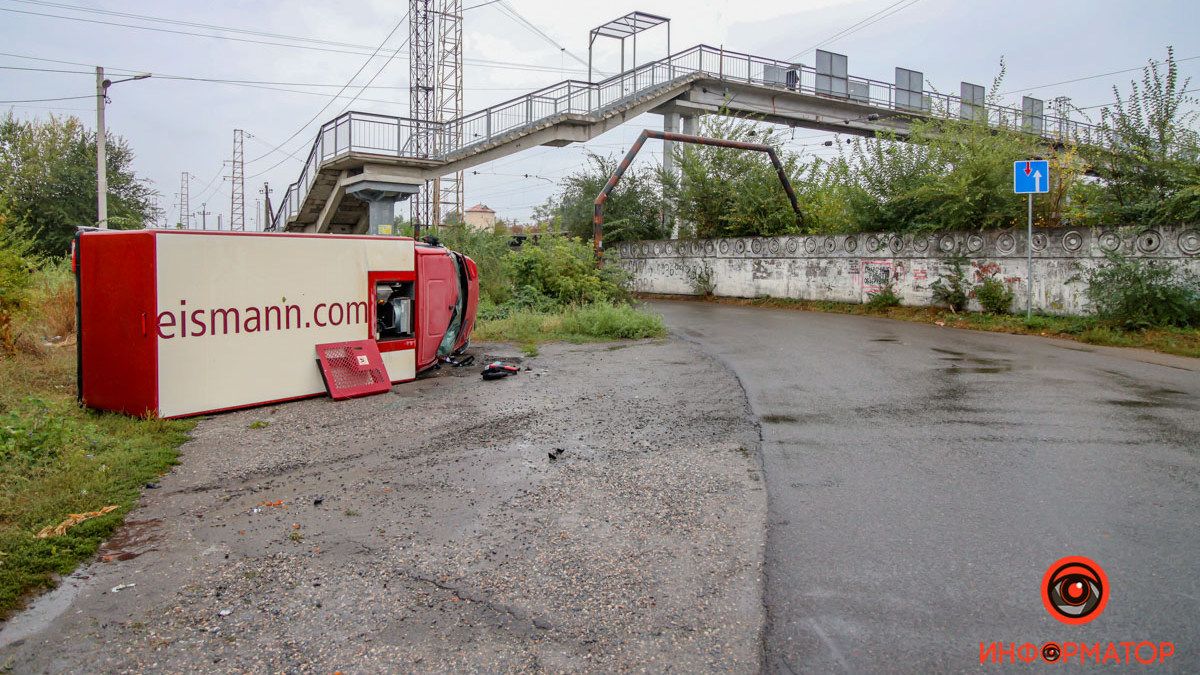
972	102
1033	118
910	89
633	22
832	76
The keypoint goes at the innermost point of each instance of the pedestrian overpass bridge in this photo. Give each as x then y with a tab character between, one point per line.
362	163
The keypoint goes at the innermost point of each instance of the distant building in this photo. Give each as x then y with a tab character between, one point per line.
480	217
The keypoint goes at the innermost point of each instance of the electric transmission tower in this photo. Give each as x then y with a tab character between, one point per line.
185	211
237	178
448	190
435	49
421	93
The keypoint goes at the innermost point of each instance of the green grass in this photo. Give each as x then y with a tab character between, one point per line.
598	322
56	459
1178	341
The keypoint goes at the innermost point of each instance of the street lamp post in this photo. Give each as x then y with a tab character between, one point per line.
102	86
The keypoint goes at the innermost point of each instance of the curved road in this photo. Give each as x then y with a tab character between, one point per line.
921	480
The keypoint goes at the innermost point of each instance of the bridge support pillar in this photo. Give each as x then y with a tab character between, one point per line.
670	125
691	124
381	198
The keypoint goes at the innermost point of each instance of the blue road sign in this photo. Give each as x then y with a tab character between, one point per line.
1031	176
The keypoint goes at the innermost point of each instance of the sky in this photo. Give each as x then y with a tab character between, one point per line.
290	60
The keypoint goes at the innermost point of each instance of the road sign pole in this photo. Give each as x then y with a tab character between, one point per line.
1029	264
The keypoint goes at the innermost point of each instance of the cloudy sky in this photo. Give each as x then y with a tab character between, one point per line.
273	68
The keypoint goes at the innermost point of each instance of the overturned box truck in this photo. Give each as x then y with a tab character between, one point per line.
178	323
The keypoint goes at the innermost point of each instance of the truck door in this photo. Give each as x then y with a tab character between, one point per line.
437	278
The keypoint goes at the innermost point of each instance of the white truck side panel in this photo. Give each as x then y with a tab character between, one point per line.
239	315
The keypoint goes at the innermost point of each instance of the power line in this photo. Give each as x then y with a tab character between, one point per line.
1088	77
330	101
49	70
190	24
357	50
42	100
271	85
512	13
1112	103
854	28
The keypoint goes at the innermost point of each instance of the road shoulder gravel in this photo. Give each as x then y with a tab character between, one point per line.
428	529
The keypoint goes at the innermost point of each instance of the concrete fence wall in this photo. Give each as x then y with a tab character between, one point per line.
848	268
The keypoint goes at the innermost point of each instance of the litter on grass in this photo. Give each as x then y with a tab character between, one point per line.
71	521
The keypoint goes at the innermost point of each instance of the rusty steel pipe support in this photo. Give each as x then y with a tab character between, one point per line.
598	215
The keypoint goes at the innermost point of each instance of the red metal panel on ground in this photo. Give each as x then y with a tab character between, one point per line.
118	322
353	369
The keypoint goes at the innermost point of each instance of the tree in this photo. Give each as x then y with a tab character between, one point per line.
633	210
723	192
48	181
1147	152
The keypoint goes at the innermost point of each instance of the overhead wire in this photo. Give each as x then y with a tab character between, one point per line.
1088	77
43	100
330	102
861	24
508	10
357	50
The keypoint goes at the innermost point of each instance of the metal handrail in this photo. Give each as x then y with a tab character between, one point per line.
416	139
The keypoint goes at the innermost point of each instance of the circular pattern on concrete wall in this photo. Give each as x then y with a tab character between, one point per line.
756	246
724	246
774	246
830	244
792	245
1006	243
851	243
740	246
810	244
1039	241
1110	241
1189	242
873	244
709	248
624	250
974	243
695	248
921	244
658	248
946	243
1149	241
897	244
1072	241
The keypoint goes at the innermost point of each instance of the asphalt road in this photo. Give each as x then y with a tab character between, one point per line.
921	480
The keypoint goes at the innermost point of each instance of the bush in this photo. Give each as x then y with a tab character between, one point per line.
564	271
17	265
614	321
489	251
883	298
702	278
951	287
995	296
1134	294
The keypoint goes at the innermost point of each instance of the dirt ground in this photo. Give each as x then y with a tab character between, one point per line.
428	530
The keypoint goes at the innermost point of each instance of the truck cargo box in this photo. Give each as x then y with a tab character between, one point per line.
178	323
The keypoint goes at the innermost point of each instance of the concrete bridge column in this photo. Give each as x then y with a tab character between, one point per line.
381	198
691	124
670	125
